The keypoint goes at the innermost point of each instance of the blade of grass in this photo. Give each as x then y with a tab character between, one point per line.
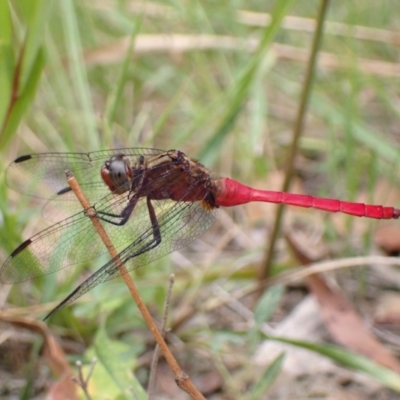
267	304
344	356
79	78
365	135
37	13
109	353
117	94
17	109
20	80
238	94
7	65
297	131
267	378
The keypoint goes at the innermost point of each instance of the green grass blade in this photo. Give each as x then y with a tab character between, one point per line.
79	78
19	80
238	95
267	304
7	64
110	354
36	13
366	136
117	94
24	100
267	378
352	360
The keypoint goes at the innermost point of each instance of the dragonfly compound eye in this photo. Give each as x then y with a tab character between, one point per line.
117	174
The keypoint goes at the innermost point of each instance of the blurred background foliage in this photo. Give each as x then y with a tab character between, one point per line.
221	82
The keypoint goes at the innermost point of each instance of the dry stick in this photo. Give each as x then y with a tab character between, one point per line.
181	378
81	381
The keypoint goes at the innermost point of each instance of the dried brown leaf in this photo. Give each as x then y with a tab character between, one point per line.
341	318
64	388
387	238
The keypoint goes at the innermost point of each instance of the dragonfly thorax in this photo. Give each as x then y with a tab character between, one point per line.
117	174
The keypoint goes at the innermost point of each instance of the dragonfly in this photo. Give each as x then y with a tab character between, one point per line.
151	202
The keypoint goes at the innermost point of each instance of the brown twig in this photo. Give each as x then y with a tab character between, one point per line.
181	378
81	381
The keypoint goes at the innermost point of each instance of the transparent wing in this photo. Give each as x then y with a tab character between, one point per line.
180	223
73	240
62	205
70	242
43	175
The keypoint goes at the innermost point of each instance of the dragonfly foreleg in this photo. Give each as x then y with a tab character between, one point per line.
121	218
111	269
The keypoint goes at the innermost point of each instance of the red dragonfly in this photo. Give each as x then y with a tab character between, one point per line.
151	202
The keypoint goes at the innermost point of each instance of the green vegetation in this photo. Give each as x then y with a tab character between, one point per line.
211	79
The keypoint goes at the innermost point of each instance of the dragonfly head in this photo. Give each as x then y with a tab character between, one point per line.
117	174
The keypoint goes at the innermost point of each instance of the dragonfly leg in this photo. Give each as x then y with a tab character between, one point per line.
121	218
154	242
154	222
127	211
111	269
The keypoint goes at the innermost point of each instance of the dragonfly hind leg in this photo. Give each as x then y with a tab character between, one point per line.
110	270
156	233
